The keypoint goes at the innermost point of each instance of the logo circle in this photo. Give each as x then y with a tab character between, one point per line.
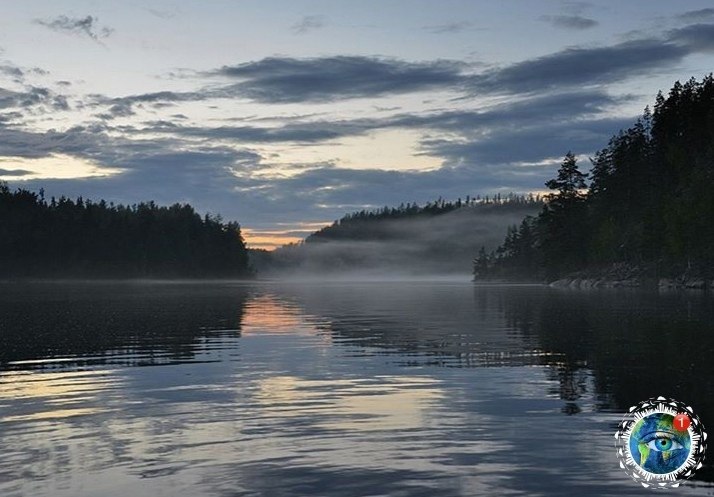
660	442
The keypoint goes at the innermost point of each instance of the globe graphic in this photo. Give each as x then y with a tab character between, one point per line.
656	446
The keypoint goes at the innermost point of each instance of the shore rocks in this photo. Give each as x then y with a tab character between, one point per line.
683	282
595	283
623	276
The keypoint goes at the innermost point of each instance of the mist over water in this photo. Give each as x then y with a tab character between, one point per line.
438	245
385	388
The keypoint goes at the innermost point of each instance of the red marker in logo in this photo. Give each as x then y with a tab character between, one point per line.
681	422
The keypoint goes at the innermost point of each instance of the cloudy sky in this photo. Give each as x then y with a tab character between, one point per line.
283	115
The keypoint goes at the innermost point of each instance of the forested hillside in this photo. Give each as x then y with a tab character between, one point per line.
80	238
646	206
435	238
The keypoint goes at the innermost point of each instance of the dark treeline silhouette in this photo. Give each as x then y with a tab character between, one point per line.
80	238
367	225
647	209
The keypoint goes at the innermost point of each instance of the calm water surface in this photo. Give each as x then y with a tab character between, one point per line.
398	389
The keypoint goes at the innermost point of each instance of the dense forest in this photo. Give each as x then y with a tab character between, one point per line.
436	238
368	225
80	238
645	208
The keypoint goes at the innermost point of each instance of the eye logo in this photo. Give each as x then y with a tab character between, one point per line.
655	445
660	442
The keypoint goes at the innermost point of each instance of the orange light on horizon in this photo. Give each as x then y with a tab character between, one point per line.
270	239
268	242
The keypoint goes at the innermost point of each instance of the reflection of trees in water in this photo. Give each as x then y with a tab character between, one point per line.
561	331
422	324
635	344
618	347
122	323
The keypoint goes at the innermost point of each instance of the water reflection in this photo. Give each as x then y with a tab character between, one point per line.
270	313
635	344
46	325
340	390
52	395
383	403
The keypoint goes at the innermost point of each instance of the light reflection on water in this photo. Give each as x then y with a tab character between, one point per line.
402	390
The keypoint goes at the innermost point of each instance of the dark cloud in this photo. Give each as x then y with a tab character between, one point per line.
160	169
696	15
77	141
530	129
327	193
534	111
579	66
289	80
582	66
528	144
298	133
59	102
307	24
561	107
328	79
7	117
205	179
124	106
449	28
13	71
160	123
283	79
159	96
122	109
570	22
696	37
84	26
555	103
14	172
19	74
220	179
35	97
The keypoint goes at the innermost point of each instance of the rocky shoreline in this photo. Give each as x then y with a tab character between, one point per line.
622	276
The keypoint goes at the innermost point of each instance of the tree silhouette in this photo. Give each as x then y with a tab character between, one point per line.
66	238
650	203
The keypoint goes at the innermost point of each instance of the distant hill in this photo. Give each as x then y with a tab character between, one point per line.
439	237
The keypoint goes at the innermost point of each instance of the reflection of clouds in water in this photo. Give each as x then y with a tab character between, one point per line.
386	403
402	403
283	409
41	395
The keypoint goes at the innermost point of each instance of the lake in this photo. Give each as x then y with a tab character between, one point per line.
337	389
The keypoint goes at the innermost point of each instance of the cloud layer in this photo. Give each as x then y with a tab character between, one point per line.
84	26
324	79
570	22
307	24
490	127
